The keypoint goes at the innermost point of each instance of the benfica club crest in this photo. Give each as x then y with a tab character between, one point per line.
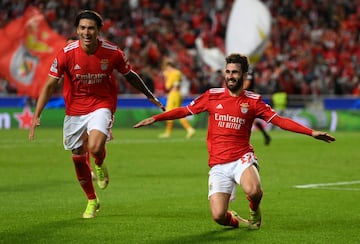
244	107
104	64
23	66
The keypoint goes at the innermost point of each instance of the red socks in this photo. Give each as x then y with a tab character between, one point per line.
83	174
230	220
88	162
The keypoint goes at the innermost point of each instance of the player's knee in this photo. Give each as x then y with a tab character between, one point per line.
96	150
218	214
219	217
256	195
252	189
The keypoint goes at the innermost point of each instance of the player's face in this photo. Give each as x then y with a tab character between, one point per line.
88	32
234	77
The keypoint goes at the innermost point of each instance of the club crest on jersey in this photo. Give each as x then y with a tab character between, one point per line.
104	64
244	107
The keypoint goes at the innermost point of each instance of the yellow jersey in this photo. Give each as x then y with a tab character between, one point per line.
171	78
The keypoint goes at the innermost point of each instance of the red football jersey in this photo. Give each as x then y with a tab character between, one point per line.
88	79
230	121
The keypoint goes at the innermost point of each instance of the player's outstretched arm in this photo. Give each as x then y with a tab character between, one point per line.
145	122
324	136
135	80
157	103
44	97
291	125
176	113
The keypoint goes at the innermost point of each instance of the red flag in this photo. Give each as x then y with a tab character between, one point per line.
27	50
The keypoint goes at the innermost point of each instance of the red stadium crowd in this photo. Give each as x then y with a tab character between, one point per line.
314	47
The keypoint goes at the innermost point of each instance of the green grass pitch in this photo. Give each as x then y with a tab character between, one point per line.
158	190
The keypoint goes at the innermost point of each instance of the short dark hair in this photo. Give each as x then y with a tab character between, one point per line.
89	14
72	38
236	58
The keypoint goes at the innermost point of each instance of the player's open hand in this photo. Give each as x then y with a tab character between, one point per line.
34	124
324	136
144	122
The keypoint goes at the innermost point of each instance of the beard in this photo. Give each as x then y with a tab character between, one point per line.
236	85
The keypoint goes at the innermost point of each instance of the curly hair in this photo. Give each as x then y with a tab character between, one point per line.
236	58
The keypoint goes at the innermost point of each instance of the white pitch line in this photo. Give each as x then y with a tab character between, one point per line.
328	184
338	188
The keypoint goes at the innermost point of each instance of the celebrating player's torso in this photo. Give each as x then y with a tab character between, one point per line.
88	79
230	121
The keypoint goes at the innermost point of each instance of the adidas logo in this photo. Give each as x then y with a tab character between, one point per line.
219	106
77	67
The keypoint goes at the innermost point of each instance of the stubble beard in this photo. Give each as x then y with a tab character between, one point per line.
235	86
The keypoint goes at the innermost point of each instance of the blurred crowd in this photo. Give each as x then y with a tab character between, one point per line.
314	47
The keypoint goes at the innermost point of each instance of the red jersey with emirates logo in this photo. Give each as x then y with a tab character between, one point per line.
230	122
88	79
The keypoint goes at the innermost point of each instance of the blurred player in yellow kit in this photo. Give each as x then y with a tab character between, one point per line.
173	78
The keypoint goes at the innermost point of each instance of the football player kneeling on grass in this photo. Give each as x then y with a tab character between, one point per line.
232	111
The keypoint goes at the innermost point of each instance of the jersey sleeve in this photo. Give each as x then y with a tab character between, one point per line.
199	104
176	113
122	63
58	64
291	125
264	111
